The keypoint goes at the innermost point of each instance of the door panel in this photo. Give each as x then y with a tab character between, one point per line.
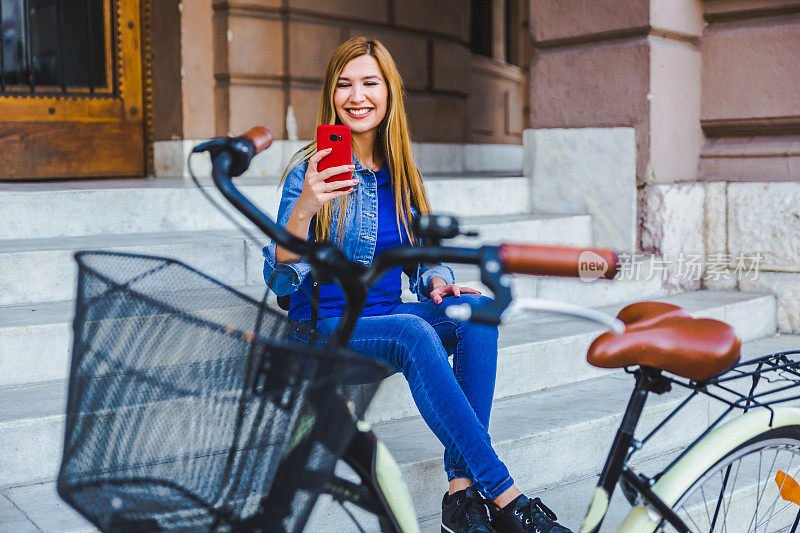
71	89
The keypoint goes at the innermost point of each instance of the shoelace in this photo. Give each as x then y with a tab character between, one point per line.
476	513
532	509
536	502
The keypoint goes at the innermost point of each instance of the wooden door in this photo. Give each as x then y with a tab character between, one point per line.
71	89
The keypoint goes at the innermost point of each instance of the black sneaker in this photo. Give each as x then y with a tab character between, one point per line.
524	515
465	512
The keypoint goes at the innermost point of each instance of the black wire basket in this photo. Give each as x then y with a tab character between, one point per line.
189	402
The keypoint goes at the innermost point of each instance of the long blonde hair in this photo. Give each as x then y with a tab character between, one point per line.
393	133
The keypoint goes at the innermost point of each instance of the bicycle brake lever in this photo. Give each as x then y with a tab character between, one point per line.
492	276
241	149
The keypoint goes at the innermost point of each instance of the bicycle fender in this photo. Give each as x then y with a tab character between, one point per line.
703	455
597	510
394	489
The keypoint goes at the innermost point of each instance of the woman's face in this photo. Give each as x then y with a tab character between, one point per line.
361	95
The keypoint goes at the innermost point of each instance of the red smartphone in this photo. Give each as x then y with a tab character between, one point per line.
336	137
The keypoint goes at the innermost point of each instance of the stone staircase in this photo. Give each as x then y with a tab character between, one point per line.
554	415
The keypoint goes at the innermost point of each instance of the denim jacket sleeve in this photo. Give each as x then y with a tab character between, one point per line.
419	283
285	278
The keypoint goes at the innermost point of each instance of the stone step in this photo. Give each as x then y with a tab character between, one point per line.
532	434
538	228
72	209
534	355
544	352
431	158
43	270
39	270
38	509
36	335
36	339
547	439
36	342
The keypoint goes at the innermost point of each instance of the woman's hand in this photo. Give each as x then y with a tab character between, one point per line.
314	195
440	288
316	192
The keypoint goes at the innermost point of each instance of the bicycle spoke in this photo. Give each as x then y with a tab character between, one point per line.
705	505
796	521
782	509
730	498
738	487
721	497
767	483
689	516
778	495
758	496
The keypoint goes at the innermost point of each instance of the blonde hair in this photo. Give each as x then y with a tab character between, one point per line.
393	134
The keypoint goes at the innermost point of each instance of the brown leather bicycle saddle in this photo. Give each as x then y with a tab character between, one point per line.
664	336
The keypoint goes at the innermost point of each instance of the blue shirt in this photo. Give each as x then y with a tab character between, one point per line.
358	240
384	295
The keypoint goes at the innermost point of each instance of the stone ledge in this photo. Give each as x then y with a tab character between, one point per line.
432	158
786	286
586	170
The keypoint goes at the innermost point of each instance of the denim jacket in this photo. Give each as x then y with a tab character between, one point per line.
359	246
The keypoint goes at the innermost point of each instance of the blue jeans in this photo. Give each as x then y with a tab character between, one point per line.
416	338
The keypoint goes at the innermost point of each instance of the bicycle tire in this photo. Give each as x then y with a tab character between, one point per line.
736	440
725	494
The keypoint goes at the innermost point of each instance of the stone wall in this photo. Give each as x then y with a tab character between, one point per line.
241	62
710	87
607	63
752	233
751	102
750	116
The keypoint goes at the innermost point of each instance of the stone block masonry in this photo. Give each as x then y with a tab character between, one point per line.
754	229
240	62
672	226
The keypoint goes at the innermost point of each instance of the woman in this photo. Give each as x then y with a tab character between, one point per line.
370	213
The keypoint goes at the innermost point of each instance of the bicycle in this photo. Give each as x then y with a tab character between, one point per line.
283	413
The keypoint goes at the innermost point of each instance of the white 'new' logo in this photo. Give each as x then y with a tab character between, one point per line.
591	266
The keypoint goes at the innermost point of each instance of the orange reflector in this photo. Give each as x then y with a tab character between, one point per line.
790	489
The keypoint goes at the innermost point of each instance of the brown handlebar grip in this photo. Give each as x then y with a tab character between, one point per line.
260	136
586	263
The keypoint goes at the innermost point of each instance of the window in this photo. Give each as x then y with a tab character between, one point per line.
480	36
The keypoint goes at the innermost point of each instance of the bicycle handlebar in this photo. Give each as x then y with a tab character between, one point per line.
558	261
260	137
231	157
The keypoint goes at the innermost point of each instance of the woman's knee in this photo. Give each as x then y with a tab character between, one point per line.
415	331
473	300
418	340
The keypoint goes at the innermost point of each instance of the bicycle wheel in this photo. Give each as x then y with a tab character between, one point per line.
740	492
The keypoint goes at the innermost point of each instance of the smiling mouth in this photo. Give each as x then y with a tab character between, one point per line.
359	112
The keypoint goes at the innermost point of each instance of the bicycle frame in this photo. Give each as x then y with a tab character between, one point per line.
653	497
647	380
